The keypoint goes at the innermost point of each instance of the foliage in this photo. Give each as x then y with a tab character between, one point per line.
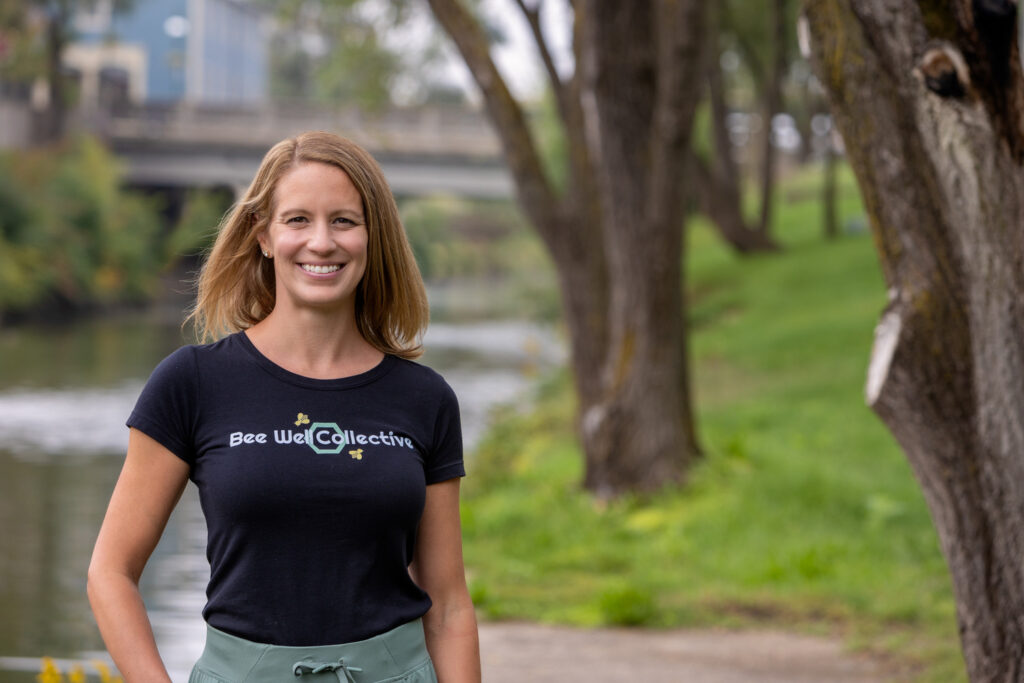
22	58
69	234
551	142
196	228
804	513
351	52
627	605
33	37
455	238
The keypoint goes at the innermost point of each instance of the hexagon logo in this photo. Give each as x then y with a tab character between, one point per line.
326	437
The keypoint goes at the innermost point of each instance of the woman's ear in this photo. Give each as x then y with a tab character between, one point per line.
261	238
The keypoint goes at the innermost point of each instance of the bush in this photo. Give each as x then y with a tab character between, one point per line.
197	226
627	606
69	233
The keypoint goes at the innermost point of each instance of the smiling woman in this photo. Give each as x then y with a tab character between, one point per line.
342	539
237	284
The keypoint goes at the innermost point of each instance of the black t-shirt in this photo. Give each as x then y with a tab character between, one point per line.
312	489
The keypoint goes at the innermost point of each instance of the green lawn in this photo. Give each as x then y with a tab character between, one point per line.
802	515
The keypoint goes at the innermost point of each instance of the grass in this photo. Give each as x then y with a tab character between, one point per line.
803	514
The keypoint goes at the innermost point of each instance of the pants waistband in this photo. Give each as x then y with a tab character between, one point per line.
389	654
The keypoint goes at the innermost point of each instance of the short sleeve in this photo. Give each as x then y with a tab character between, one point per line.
166	407
445	459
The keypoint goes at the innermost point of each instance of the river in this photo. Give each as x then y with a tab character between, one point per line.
65	393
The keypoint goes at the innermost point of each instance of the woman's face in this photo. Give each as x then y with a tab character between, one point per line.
317	237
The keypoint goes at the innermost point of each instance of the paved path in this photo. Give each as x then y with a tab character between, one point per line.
520	653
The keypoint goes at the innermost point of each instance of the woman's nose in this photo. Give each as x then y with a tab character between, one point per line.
320	239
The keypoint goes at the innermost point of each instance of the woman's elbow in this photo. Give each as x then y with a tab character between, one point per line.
101	579
97	578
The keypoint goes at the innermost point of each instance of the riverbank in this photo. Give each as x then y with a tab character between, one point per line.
803	515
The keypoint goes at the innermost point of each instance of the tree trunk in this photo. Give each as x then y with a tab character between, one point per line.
803	112
772	105
929	98
641	435
718	184
615	234
717	196
583	285
830	212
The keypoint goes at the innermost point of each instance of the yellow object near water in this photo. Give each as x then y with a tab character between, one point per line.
49	673
104	672
77	674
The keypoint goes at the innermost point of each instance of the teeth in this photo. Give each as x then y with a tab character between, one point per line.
320	269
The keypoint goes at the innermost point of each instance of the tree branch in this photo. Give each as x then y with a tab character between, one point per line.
581	177
749	52
580	182
532	182
532	15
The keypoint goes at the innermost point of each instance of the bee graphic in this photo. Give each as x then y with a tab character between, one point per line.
357	454
303	419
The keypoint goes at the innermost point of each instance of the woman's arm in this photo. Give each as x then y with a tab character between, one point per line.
450	625
149	487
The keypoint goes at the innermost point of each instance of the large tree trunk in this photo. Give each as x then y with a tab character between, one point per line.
930	102
642	434
615	234
583	284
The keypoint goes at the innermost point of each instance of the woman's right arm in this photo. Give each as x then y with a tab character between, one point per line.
149	487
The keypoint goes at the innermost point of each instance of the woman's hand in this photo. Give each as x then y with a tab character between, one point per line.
450	625
149	487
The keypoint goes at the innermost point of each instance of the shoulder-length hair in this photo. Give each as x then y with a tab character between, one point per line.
236	283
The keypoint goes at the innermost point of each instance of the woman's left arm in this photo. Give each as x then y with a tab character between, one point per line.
450	625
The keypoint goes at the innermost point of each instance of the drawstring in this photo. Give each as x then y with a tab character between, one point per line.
337	668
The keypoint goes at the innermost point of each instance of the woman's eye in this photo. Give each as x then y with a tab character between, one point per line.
296	219
341	220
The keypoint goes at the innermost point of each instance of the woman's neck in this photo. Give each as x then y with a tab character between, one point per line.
314	345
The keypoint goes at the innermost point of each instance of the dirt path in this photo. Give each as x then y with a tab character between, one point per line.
517	652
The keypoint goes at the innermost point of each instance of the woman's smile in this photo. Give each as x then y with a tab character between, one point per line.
321	269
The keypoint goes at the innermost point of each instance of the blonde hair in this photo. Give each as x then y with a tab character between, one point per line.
236	284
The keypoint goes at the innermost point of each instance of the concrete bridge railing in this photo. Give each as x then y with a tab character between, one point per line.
445	131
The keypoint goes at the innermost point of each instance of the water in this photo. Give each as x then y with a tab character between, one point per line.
64	395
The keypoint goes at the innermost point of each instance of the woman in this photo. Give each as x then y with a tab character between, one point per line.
327	462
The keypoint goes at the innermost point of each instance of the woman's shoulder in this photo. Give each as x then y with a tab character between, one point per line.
189	356
420	375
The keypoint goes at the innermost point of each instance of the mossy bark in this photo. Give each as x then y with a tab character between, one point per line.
943	186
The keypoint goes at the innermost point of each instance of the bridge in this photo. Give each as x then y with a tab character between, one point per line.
430	150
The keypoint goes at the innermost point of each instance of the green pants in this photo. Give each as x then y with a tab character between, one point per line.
398	656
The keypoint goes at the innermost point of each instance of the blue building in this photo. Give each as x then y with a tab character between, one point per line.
208	52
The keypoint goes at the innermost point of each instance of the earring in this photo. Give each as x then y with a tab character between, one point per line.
266	253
